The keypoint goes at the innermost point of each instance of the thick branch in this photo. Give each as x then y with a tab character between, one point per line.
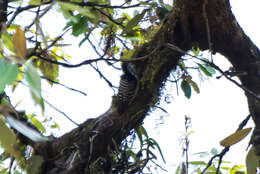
229	39
97	135
3	13
184	25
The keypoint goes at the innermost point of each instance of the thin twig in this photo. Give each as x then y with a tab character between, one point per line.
56	40
233	81
122	42
61	112
109	17
175	48
89	61
34	52
163	169
243	123
37	27
21	9
85	62
91	4
94	47
102	76
53	106
226	149
222	153
72	89
39	16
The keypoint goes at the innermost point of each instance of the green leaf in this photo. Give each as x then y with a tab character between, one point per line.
127	54
34	164
38	124
17	172
177	171
158	147
139	135
35	2
55	125
204	70
5	171
186	88
196	163
214	151
143	131
80	27
252	161
66	14
182	66
207	66
86	11
4	156
8	41
202	154
49	70
38	100
34	81
8	74
140	131
210	69
134	22
193	84
195	51
151	153
86	37
8	140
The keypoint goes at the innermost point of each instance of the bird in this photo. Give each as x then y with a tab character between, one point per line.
127	87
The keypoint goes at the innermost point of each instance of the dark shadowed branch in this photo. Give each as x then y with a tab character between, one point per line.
3	13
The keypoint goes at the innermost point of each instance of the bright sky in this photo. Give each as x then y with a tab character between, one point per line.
215	113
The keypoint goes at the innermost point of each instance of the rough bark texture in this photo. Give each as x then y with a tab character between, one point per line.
86	149
3	13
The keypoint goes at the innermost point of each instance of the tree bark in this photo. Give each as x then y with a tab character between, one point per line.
87	148
3	13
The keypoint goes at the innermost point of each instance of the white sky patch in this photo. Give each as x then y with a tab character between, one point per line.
215	113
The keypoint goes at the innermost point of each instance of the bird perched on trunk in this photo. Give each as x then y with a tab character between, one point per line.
127	87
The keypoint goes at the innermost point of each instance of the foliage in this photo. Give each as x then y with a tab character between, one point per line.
199	165
235	137
252	163
29	54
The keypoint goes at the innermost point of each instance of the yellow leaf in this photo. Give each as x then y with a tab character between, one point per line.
235	137
19	41
49	70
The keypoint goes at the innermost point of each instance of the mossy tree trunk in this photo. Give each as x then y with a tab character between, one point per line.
87	148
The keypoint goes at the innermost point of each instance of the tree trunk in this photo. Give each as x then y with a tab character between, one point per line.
87	149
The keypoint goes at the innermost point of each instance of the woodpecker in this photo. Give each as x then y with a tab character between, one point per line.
127	87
